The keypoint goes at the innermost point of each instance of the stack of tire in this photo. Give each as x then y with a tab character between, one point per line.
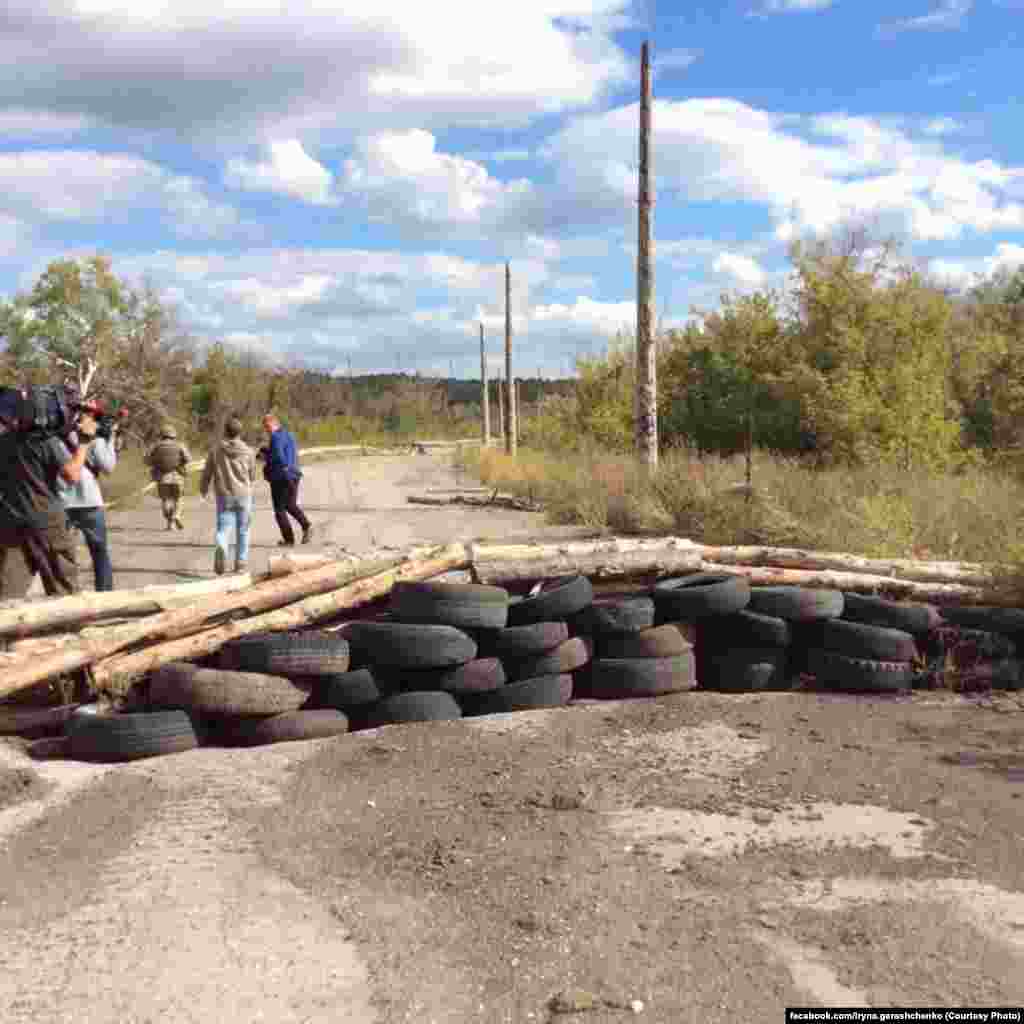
866	644
738	649
982	644
634	656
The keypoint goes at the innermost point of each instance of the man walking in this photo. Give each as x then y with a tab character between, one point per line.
281	471
231	469
167	461
34	536
83	502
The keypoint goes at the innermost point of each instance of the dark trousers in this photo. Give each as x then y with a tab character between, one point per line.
285	494
93	524
48	551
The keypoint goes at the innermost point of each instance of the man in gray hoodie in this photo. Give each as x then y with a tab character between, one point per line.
231	469
83	502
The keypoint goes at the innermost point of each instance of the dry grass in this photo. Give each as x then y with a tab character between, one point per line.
878	511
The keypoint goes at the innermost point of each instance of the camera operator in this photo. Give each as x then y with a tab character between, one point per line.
83	500
34	536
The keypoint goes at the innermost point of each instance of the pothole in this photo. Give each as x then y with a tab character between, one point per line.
677	834
810	970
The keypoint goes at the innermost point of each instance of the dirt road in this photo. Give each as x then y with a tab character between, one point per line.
700	858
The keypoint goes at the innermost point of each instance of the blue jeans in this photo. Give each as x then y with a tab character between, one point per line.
93	524
235	512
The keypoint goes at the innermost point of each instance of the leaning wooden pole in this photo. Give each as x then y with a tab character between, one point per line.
485	404
646	404
510	398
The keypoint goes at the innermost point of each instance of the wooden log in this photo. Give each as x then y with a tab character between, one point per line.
971	574
174	624
860	583
285	565
615	558
117	673
30	618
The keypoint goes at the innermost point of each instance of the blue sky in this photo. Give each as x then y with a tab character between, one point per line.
327	181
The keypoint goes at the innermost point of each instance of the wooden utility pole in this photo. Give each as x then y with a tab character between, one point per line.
485	402
510	399
515	404
646	405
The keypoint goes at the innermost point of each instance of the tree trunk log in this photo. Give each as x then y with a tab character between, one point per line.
116	674
174	624
968	573
889	586
60	613
612	559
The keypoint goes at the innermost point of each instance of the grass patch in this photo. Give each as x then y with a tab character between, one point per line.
877	511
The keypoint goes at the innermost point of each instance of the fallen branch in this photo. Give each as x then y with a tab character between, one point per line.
494	501
28	619
117	673
606	559
935	593
968	573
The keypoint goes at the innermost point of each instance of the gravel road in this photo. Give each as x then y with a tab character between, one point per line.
697	858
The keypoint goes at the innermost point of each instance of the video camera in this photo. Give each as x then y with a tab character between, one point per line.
53	411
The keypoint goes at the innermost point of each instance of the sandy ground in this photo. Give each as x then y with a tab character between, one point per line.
698	858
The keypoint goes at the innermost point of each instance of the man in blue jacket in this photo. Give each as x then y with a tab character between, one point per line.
281	471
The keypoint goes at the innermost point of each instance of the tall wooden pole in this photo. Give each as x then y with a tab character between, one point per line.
510	398
646	406
485	403
515	405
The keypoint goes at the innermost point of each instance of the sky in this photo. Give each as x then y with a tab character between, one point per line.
339	185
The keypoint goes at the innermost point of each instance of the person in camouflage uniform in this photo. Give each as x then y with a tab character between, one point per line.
167	462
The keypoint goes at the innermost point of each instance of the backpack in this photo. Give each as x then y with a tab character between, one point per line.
167	457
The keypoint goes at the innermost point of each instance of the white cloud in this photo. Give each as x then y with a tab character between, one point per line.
812	173
42	186
674	60
950	14
402	176
311	69
942	126
962	274
744	270
791	6
289	170
37	124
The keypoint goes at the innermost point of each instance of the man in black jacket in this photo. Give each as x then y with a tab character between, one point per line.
281	471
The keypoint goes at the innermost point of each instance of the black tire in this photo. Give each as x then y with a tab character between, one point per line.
990	619
481	675
839	672
283	728
970	645
857	640
798	604
560	598
566	657
702	594
434	706
610	613
313	653
624	678
213	691
528	641
50	748
876	611
746	629
466	606
34	722
111	738
410	645
346	690
743	670
526	694
657	642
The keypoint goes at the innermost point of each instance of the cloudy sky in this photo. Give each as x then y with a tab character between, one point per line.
341	183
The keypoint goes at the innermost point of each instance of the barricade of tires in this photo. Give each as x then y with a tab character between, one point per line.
447	651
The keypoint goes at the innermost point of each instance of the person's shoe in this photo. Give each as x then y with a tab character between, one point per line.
218	562
170	525
178	523
286	543
241	566
307	534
